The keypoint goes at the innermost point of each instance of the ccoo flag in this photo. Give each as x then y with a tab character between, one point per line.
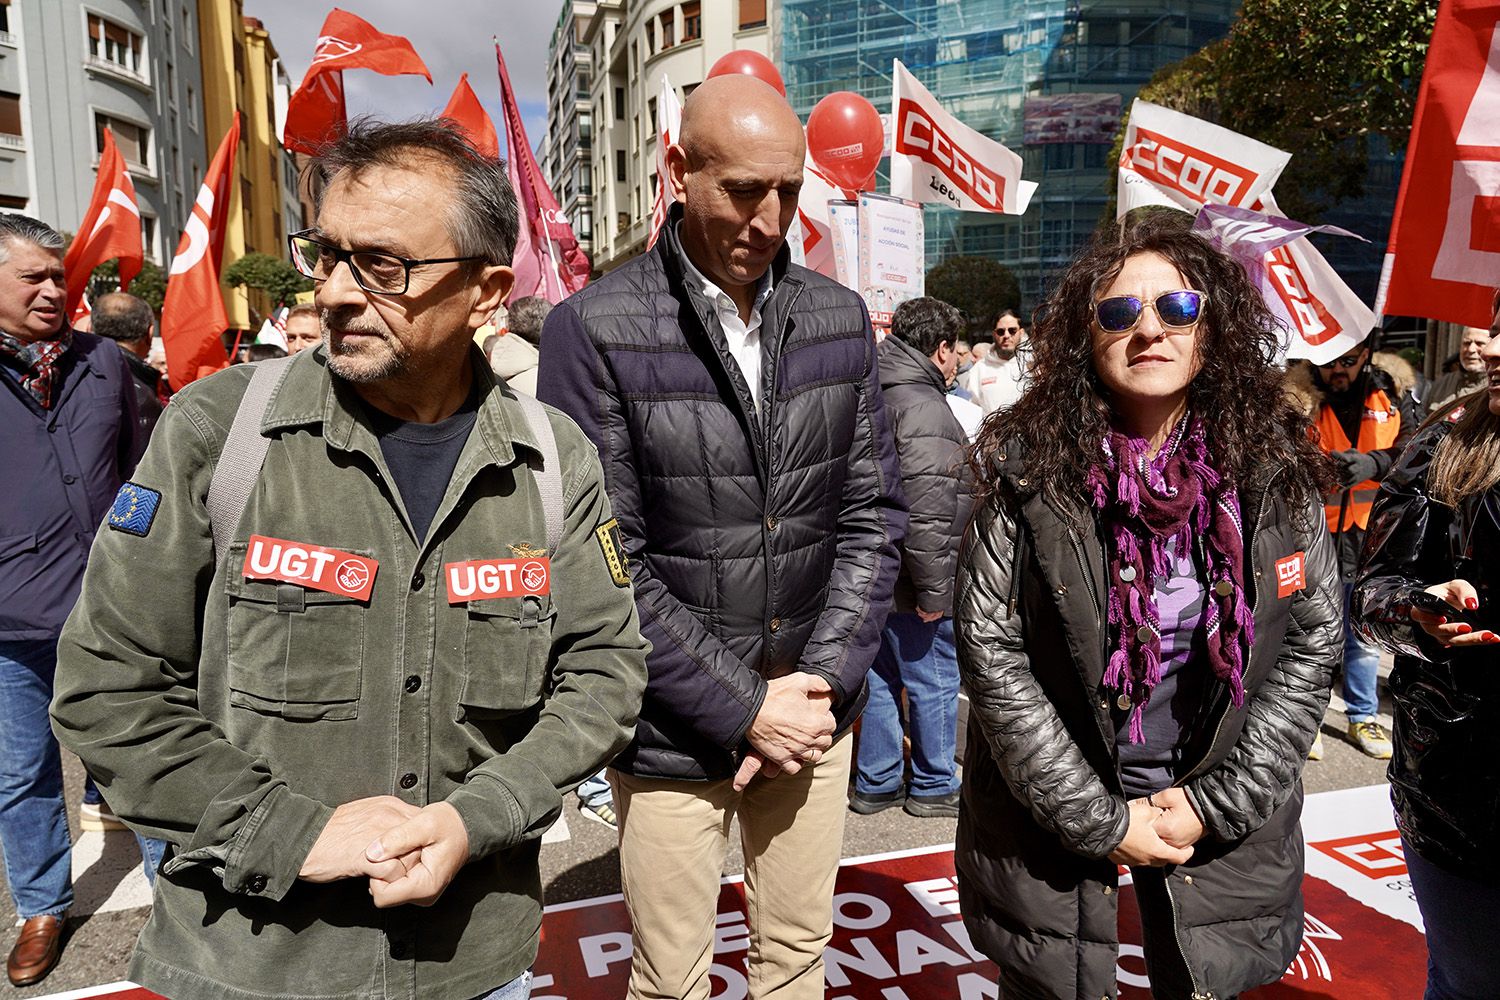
668	131
1443	258
938	160
111	229
548	260
465	111
192	316
1172	159
316	115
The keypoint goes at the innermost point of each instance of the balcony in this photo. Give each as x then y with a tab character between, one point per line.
99	64
8	141
10	38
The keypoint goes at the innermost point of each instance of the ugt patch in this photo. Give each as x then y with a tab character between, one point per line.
134	509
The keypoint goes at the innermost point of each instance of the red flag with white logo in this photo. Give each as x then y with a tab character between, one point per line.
316	114
111	230
548	260
465	111
1443	259
938	160
668	129
193	317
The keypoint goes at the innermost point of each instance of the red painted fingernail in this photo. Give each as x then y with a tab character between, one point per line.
1465	629
1491	637
1471	603
1442	619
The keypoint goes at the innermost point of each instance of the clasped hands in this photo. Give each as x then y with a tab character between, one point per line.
793	727
409	853
1163	829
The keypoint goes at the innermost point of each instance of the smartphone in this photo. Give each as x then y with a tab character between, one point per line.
1433	604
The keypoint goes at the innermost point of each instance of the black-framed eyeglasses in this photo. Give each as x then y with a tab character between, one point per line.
1177	310
378	273
1347	361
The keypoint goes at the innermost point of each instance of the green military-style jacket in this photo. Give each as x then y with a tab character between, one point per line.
228	713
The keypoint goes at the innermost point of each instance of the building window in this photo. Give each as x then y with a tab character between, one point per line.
620	165
752	14
619	104
192	109
121	47
134	141
585	225
187	28
651	36
5	17
668	30
148	234
10	119
692	21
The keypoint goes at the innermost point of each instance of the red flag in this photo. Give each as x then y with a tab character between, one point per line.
315	115
465	111
1443	259
548	260
193	316
110	229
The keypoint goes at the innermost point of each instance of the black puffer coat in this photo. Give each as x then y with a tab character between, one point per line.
1043	804
931	445
1445	771
758	544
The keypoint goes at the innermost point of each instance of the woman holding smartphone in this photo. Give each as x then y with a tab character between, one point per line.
1148	617
1429	586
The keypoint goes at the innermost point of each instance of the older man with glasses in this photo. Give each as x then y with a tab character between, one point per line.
1363	421
354	626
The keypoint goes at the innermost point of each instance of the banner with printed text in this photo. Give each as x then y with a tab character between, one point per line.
938	160
898	933
892	255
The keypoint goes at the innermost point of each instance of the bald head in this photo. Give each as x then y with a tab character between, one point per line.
737	170
725	112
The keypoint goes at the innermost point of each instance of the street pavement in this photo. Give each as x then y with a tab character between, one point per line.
579	861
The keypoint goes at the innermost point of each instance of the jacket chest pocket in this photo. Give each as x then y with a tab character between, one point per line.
293	652
507	643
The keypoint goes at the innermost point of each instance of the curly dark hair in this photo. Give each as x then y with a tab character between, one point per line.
1060	420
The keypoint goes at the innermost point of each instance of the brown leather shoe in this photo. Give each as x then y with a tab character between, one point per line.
36	951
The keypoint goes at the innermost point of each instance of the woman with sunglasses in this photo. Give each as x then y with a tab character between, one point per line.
1148	619
1429	587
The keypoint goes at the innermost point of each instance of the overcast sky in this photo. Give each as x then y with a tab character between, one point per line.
451	36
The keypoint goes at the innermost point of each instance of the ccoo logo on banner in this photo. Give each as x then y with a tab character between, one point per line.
1172	159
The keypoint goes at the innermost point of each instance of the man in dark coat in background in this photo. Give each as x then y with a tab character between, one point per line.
916	650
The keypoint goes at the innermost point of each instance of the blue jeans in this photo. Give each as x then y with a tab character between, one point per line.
919	657
151	850
595	790
33	821
518	988
1460	915
1361	698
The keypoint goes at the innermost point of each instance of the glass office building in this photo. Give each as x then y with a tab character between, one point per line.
1037	75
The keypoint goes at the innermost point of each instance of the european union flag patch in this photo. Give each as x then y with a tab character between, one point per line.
134	509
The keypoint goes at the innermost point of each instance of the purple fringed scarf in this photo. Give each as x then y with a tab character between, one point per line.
1144	504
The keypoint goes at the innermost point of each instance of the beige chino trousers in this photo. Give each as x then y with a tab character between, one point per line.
673	838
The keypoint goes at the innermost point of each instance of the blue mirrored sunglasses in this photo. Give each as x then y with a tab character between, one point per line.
1174	310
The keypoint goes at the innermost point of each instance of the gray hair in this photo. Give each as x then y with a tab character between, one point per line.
14	226
121	316
483	219
526	317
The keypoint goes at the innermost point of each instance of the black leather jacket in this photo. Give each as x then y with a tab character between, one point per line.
1043	803
1445	771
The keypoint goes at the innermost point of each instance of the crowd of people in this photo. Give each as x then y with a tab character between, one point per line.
335	632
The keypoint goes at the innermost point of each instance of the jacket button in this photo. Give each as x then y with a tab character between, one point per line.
1144	634
775	624
771	523
1109	890
1021	481
418	581
70	479
1062	590
413	683
257	883
1187	879
1001	456
408	780
1104	704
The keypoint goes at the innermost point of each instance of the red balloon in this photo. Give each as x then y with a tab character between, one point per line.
845	138
750	63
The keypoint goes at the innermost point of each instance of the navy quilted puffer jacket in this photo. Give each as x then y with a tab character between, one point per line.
758	545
